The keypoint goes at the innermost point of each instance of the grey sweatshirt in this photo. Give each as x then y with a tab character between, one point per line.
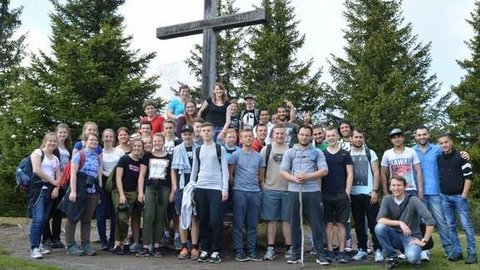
210	175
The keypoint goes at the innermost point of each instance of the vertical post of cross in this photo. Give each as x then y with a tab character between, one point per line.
209	53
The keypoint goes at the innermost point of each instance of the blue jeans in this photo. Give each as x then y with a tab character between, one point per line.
40	211
246	210
452	204
434	205
390	239
106	206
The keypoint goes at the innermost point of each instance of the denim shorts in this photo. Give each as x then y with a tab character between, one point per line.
275	206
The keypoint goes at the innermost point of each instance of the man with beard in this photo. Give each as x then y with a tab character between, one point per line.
290	127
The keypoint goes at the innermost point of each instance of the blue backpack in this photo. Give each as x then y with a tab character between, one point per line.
24	173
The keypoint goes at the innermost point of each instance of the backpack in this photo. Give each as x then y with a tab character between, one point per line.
67	170
219	154
24	173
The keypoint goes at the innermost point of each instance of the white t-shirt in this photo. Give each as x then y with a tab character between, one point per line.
110	160
402	165
48	165
169	146
362	171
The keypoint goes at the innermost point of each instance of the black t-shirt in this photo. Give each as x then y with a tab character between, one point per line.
158	169
217	115
131	169
190	160
336	179
249	118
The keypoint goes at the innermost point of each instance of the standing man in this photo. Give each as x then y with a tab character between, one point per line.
398	225
319	137
304	166
428	154
455	182
364	196
336	188
249	116
210	172
249	169
275	204
402	161
345	129
264	118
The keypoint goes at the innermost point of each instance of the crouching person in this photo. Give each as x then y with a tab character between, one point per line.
398	225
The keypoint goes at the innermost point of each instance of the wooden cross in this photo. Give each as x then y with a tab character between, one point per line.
209	26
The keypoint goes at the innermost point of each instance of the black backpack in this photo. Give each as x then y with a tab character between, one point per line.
219	154
24	172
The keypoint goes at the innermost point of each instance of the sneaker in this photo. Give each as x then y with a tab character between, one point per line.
241	257
177	243
203	257
157	253
104	246
254	257
144	252
322	260
74	250
361	255
215	257
57	244
392	262
88	250
47	243
330	256
471	259
294	260
134	248
455	257
342	257
36	254
348	245
118	250
270	254
44	249
183	254
194	254
402	256
378	255
288	253
424	256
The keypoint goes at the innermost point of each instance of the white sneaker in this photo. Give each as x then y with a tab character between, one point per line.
424	256
378	255
44	249
270	254
402	256
36	254
361	255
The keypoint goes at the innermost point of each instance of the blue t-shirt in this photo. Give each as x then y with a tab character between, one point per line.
176	106
336	179
90	167
247	167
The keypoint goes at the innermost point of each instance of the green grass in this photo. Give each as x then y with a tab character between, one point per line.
8	262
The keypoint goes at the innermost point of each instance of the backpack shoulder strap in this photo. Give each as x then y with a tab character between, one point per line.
197	154
219	153
369	155
407	200
82	159
267	154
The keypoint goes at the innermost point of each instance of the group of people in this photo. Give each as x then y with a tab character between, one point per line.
187	169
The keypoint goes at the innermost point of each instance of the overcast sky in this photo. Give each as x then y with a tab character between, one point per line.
441	22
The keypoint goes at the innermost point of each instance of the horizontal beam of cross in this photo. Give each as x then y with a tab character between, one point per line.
217	23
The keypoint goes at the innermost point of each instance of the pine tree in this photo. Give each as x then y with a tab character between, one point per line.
93	74
464	111
384	81
229	46
271	70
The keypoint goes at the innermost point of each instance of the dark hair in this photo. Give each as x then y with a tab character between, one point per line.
306	127
198	120
149	102
445	134
145	122
421	127
263	109
207	124
399	178
358	130
317	126
260	125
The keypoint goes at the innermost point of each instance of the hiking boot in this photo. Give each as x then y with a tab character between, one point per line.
254	257
44	249
322	260
36	254
270	254
288	253
194	254
215	257
144	252
118	250
392	262
74	250
88	250
240	257
342	257
57	244
157	253
183	254
203	257
379	255
361	255
471	259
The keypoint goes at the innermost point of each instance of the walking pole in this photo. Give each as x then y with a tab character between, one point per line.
301	224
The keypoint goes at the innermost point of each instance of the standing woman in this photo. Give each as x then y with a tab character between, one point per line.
175	107
110	157
46	168
51	235
187	117
84	185
123	136
125	191
214	109
155	169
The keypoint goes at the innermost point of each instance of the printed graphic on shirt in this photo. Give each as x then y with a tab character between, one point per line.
248	119
169	146
403	167
158	168
133	168
360	170
277	158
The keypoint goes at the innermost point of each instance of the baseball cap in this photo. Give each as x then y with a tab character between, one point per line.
249	96
186	128
396	131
